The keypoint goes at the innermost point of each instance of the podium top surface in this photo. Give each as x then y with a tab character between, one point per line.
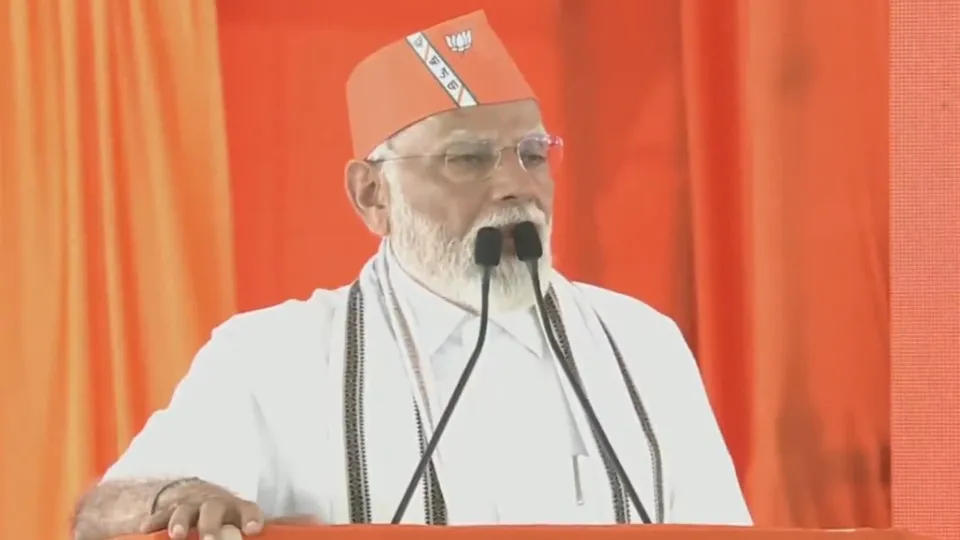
621	532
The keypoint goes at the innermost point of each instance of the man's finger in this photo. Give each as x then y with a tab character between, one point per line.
183	517
211	518
230	532
156	522
296	520
251	517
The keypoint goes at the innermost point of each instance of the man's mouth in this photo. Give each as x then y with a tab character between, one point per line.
508	246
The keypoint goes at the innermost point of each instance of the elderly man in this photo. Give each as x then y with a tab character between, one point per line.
322	408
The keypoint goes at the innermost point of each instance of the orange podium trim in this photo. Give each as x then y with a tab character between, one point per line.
618	532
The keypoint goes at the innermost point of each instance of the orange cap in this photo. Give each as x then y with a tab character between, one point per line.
457	63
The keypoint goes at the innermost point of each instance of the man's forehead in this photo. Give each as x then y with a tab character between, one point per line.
483	122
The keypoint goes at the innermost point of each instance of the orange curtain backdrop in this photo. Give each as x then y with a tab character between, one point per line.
726	161
816	109
115	235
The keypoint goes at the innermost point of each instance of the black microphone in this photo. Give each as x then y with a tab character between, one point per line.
529	249
486	253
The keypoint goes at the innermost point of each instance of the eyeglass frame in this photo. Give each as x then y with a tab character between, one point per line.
552	141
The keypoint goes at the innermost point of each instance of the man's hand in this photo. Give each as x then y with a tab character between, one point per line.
205	507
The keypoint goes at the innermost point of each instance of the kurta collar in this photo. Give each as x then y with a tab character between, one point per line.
433	319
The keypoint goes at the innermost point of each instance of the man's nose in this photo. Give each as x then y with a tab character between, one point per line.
511	182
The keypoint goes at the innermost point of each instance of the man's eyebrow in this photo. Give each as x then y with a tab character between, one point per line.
464	135
472	136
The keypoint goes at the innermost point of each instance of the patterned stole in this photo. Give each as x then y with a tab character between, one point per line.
435	509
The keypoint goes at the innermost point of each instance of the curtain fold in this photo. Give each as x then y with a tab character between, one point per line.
115	234
816	114
785	114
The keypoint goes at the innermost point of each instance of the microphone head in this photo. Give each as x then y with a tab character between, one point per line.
488	247
526	241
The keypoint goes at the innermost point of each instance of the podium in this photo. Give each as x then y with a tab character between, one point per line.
620	532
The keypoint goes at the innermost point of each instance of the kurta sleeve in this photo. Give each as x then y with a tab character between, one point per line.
209	430
705	486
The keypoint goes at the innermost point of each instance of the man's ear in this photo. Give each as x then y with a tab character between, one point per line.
368	195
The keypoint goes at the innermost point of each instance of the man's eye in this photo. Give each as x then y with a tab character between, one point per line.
531	159
467	159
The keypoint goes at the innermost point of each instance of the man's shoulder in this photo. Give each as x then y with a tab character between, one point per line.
634	324
286	320
270	347
616	305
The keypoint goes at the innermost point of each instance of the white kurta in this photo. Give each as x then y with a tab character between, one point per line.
260	412
512	427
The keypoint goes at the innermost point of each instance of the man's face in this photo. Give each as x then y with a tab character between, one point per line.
483	166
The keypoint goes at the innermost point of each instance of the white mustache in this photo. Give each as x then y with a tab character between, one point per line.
513	214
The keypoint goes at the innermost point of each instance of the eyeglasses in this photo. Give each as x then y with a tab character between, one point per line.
476	161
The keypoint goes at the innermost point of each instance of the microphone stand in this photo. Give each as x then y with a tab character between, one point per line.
529	249
488	251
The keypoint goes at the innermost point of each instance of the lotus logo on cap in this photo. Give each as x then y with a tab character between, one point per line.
460	42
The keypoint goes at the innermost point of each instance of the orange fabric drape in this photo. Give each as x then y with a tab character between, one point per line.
115	240
816	104
725	161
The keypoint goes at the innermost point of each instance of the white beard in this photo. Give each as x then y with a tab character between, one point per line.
444	263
